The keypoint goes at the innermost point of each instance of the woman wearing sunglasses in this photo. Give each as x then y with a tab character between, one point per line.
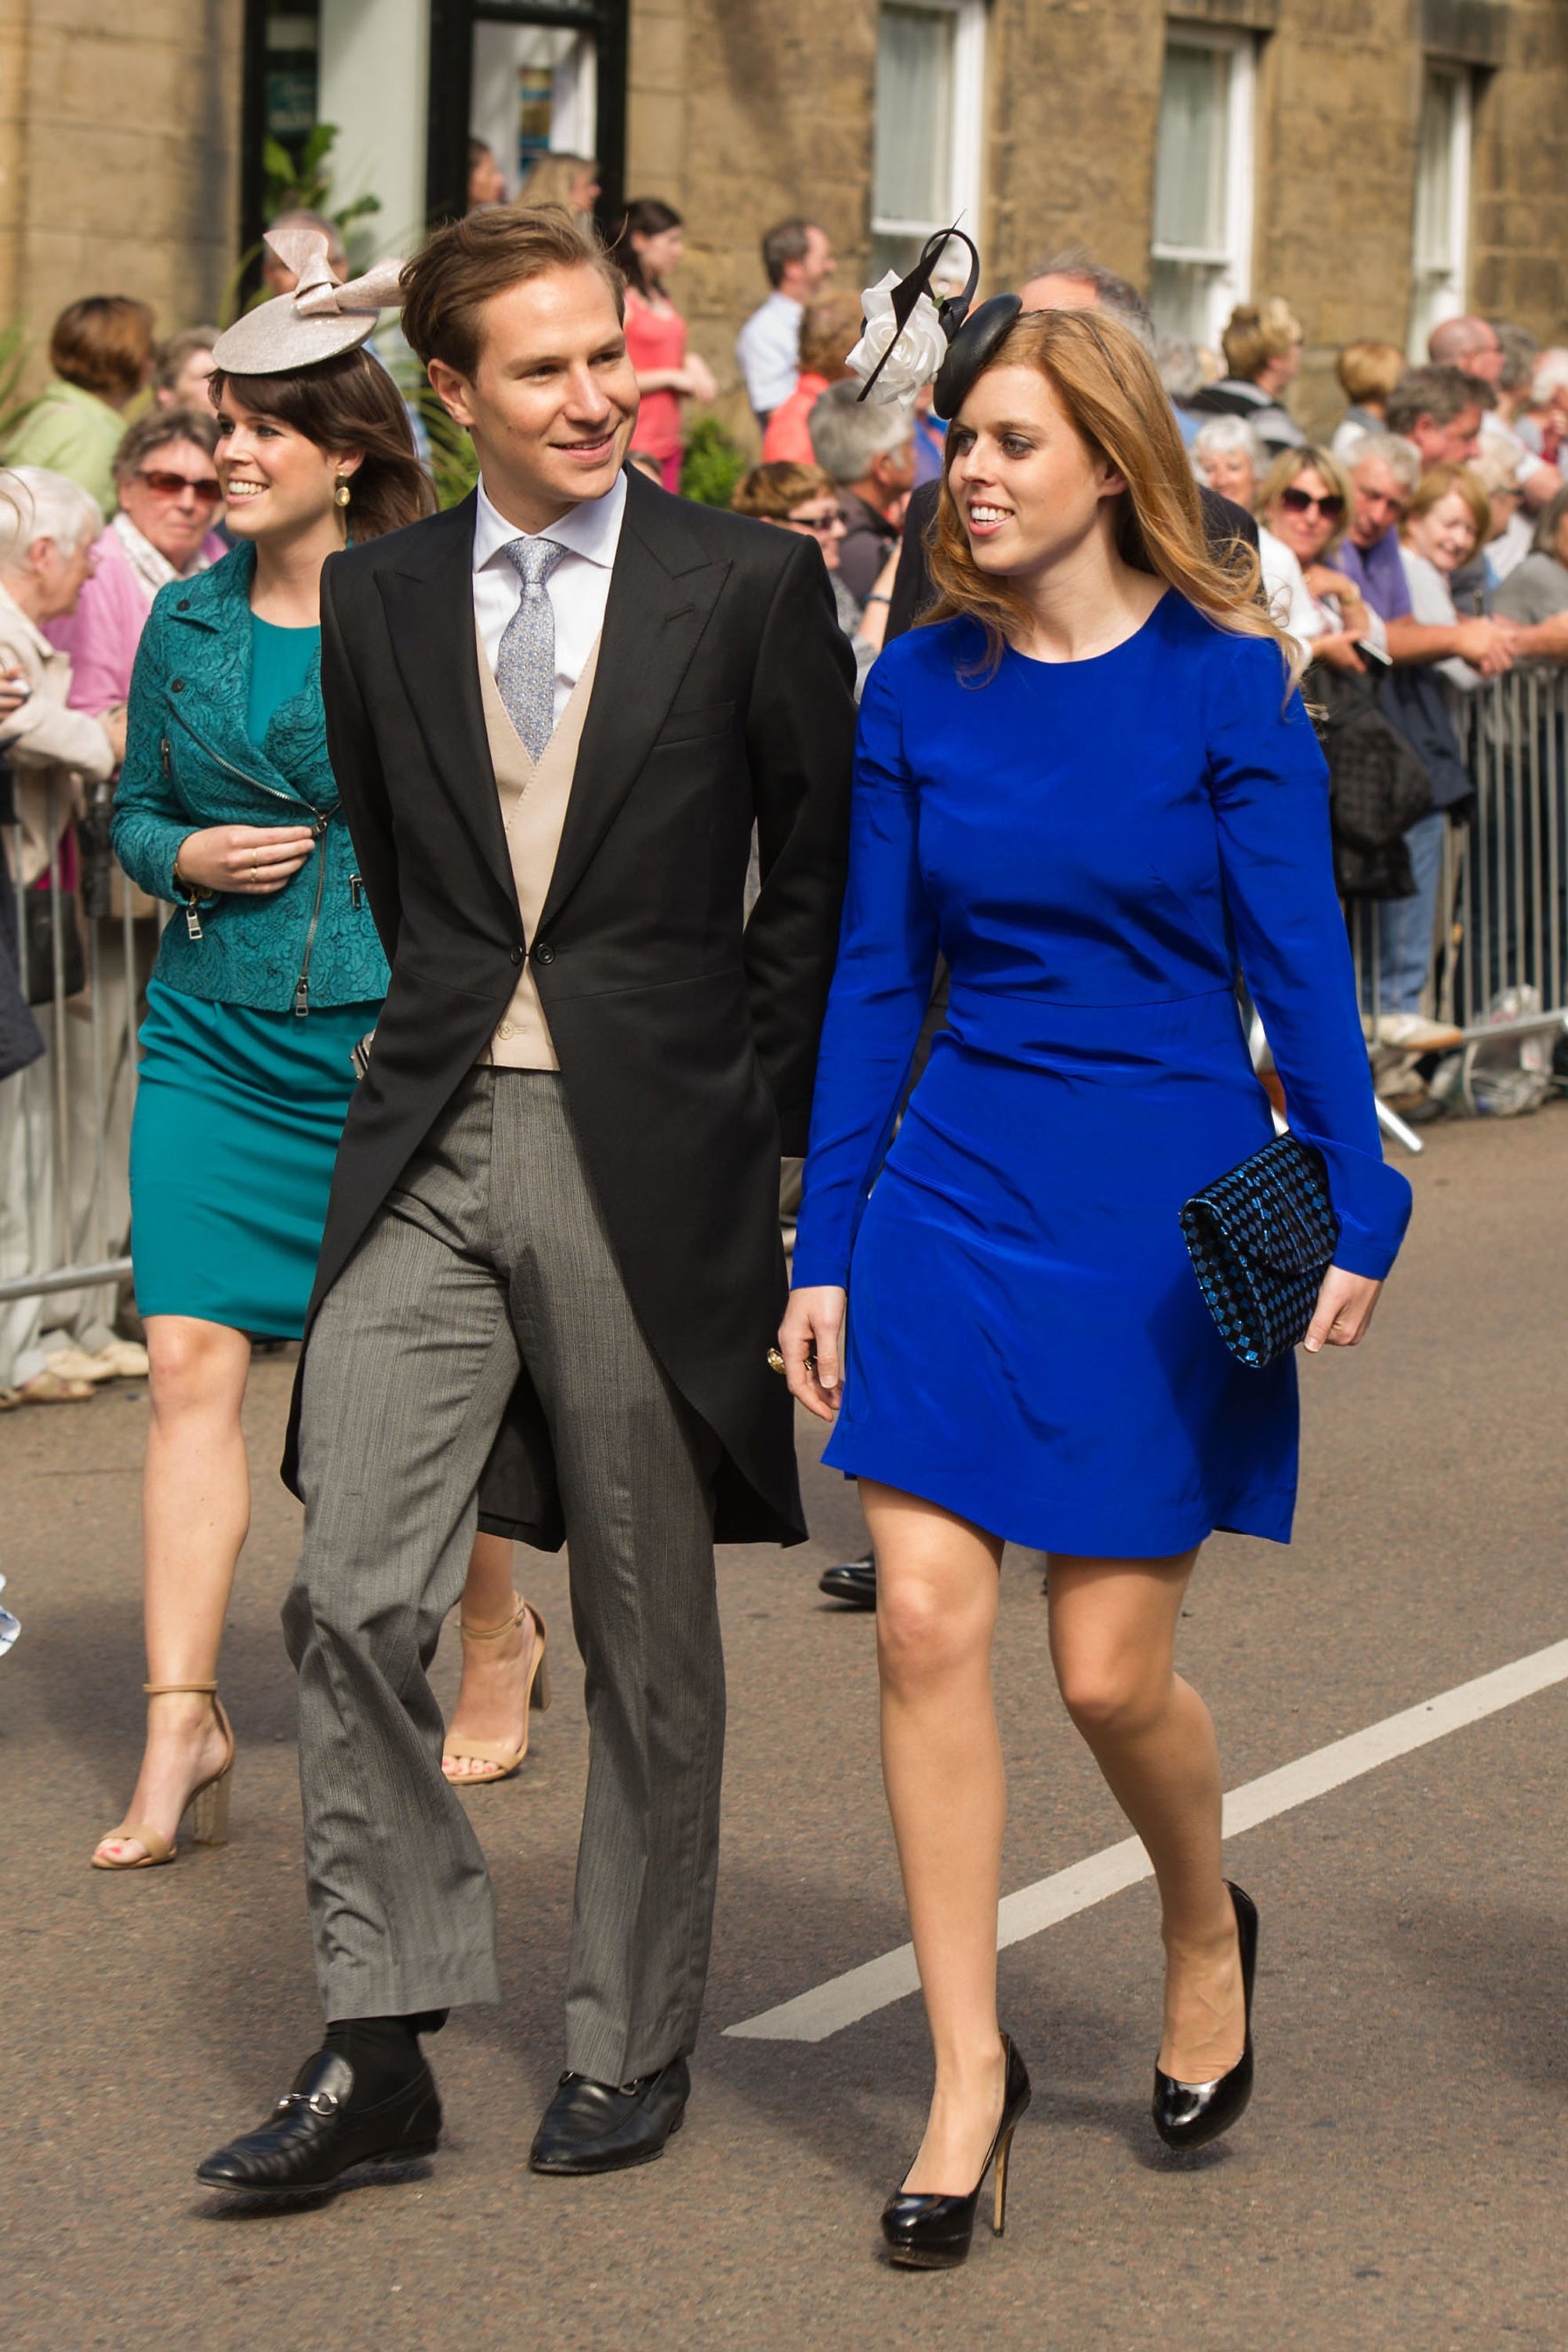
269	977
169	500
1303	510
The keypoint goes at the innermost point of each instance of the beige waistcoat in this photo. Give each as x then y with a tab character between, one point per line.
533	809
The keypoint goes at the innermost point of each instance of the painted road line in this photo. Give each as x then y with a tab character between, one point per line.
843	2000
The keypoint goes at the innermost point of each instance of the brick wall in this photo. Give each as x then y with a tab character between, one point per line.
119	132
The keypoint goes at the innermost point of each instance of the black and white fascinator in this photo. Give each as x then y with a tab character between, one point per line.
906	336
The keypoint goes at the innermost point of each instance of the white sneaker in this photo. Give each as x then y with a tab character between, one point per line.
1411	1033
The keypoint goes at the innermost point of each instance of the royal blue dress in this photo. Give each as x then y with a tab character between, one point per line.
1094	846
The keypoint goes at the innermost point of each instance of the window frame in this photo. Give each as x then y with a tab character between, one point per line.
1431	301
967	128
1231	263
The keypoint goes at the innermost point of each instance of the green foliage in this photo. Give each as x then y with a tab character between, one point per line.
453	464
713	465
300	179
14	355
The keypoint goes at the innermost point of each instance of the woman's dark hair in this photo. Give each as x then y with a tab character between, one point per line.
349	402
646	216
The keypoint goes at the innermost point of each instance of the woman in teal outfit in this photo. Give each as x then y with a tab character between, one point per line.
269	976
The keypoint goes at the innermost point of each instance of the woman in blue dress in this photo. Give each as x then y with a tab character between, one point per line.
1091	785
269	976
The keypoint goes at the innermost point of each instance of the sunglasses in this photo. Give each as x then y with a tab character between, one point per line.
822	524
209	490
1302	502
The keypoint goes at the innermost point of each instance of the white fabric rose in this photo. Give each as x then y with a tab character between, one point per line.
916	356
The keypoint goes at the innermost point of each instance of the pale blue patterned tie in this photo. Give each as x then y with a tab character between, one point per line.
525	663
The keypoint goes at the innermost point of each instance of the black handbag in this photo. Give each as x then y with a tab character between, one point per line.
38	945
1261	1240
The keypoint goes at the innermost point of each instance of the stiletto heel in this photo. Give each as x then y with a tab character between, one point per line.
925	2232
207	1803
1190	2115
506	1760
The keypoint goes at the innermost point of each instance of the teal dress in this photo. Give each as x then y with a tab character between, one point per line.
239	1107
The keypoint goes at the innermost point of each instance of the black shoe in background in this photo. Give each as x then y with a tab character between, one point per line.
327	2124
592	2127
854	1580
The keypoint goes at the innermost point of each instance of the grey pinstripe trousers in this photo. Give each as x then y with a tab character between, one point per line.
493	1249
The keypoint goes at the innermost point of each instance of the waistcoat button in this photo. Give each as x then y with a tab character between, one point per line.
505	1030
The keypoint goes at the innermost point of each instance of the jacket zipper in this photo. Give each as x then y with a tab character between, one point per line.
302	985
318	827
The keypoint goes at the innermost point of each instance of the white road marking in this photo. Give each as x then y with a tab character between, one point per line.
843	2000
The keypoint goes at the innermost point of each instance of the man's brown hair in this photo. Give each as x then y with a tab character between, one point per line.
468	262
103	344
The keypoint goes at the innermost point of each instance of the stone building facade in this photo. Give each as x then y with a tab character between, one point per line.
1374	161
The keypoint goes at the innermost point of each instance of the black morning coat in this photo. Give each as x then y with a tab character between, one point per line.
687	1036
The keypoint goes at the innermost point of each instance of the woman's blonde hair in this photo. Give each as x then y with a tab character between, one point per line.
1255	333
770	493
1290	465
1115	402
1437	484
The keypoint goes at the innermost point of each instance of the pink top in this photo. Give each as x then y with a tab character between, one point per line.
104	633
788	436
655	339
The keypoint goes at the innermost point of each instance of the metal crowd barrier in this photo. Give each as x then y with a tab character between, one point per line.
1498	971
1499	964
65	1120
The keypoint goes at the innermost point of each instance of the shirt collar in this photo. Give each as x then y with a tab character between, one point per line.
591	528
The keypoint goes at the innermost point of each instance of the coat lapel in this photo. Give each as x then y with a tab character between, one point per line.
428	600
662	591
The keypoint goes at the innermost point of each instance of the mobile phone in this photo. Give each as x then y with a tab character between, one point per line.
1373	654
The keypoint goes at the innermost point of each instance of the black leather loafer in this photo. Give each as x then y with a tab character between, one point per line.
854	1580
592	2127
317	2131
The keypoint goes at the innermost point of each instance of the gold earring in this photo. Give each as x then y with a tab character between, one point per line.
341	493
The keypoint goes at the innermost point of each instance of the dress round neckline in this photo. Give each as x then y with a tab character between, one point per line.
1089	661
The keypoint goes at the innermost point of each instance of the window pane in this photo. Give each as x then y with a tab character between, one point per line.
914	113
1190	170
1434	175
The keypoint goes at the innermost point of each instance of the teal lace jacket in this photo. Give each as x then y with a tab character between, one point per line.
189	763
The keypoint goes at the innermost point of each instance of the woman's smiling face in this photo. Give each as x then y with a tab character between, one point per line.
1027	485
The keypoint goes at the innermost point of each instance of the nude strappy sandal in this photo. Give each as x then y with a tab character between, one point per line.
506	1760
207	1805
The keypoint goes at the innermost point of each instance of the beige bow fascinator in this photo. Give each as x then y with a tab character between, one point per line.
320	320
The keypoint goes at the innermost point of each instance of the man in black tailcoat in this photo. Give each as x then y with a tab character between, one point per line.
552	1271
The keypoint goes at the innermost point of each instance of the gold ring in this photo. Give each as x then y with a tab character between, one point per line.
775	1361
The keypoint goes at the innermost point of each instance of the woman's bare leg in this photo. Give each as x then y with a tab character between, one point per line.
941	1761
196	1510
1113	1631
494	1674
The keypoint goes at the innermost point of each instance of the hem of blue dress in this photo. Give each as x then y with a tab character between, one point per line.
1267	1514
251	1327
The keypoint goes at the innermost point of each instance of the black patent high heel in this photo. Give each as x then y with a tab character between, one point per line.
1189	2115
930	2232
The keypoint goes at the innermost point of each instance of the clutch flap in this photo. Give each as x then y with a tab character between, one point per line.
1274	1209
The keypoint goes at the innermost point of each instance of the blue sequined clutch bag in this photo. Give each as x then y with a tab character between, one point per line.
1261	1240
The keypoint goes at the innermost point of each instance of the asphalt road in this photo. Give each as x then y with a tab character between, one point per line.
1399	2181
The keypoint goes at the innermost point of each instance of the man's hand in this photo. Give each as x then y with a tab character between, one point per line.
1344	1308
810	1342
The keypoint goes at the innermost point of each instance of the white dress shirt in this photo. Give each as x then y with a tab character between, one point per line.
768	349
578	588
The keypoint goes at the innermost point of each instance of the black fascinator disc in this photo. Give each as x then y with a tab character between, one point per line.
974	347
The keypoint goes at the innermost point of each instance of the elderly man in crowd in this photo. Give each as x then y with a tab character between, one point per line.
1477	348
799	261
47	526
869	452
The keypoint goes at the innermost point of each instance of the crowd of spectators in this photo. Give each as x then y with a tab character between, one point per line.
1417	549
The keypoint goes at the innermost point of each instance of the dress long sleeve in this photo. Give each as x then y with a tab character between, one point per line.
1270	787
886	957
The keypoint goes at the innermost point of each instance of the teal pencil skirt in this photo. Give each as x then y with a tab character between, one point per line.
238	1116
